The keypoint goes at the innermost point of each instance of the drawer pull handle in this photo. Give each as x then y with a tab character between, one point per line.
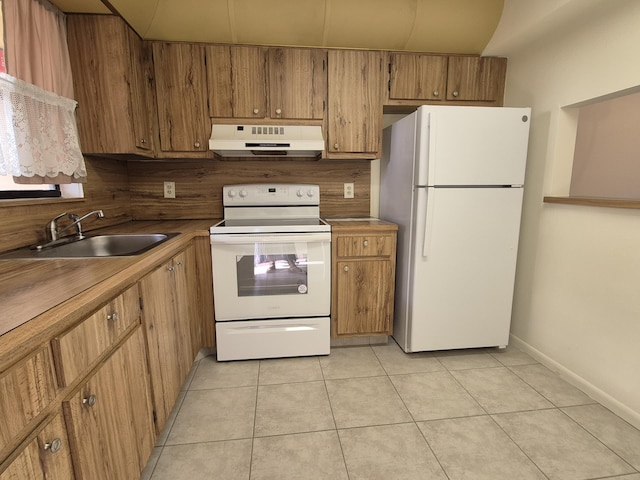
365	243
89	401
346	268
54	446
113	316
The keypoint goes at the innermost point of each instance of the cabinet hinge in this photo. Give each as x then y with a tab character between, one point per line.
389	85
389	69
141	303
155	417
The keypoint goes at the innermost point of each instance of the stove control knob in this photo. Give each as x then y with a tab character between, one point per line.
232	193
300	193
243	193
310	193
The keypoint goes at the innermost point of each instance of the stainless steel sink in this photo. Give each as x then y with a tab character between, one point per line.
114	245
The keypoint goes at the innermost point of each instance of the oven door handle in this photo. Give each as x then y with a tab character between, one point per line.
317	237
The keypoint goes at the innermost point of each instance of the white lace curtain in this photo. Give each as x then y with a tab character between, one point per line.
38	133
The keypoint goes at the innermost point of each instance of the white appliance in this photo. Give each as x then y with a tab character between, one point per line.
271	259
452	178
267	140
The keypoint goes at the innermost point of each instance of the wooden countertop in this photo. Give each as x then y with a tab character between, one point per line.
351	223
40	297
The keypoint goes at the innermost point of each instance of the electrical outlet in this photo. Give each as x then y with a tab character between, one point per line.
169	189
349	190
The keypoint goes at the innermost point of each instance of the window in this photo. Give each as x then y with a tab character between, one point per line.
10	189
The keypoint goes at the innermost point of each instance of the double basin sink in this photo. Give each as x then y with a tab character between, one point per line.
113	245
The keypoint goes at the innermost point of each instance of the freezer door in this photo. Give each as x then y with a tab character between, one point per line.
475	145
464	258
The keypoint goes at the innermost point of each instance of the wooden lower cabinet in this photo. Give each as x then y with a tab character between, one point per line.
168	305
110	417
364	254
46	457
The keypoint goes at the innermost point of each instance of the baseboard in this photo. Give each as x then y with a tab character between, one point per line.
594	392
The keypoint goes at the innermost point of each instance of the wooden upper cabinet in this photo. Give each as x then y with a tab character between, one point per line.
476	78
297	83
259	82
236	76
354	116
112	86
181	94
417	77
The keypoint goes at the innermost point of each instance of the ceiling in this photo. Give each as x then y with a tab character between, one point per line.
438	26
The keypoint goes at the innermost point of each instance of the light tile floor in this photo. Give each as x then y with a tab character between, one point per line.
374	412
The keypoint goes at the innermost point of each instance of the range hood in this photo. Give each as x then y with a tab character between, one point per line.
267	140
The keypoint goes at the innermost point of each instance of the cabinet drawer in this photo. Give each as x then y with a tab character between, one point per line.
365	246
76	350
26	389
46	456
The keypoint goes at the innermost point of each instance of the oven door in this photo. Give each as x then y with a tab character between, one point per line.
271	275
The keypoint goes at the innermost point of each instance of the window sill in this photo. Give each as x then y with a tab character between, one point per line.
594	202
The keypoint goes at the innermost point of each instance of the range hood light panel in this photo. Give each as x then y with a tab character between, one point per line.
267	140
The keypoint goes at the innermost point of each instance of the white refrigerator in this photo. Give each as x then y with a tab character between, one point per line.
452	178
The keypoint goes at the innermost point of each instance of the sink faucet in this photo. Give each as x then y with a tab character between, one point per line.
53	233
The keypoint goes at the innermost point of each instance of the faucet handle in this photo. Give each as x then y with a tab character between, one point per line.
51	229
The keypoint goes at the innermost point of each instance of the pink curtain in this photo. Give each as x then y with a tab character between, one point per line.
36	45
36	52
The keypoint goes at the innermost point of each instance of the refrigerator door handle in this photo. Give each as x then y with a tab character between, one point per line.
428	222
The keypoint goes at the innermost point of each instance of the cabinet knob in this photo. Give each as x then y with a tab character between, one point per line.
455	93
346	268
278	111
197	144
365	243
256	111
179	263
335	146
171	268
143	141
113	316
436	93
89	401
53	446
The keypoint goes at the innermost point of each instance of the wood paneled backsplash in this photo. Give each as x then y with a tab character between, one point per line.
107	188
199	185
134	190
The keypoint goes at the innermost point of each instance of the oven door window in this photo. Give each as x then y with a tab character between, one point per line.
269	272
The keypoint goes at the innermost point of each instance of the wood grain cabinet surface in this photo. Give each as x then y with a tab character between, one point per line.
110	417
77	350
355	95
46	457
416	79
181	94
266	83
26	390
364	259
113	86
168	315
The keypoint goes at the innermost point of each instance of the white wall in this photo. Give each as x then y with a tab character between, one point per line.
577	299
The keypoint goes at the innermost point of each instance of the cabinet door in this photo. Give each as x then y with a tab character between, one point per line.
110	418
365	297
103	53
297	83
141	83
26	389
355	103
476	78
45	457
417	77
180	93
167	333
236	77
